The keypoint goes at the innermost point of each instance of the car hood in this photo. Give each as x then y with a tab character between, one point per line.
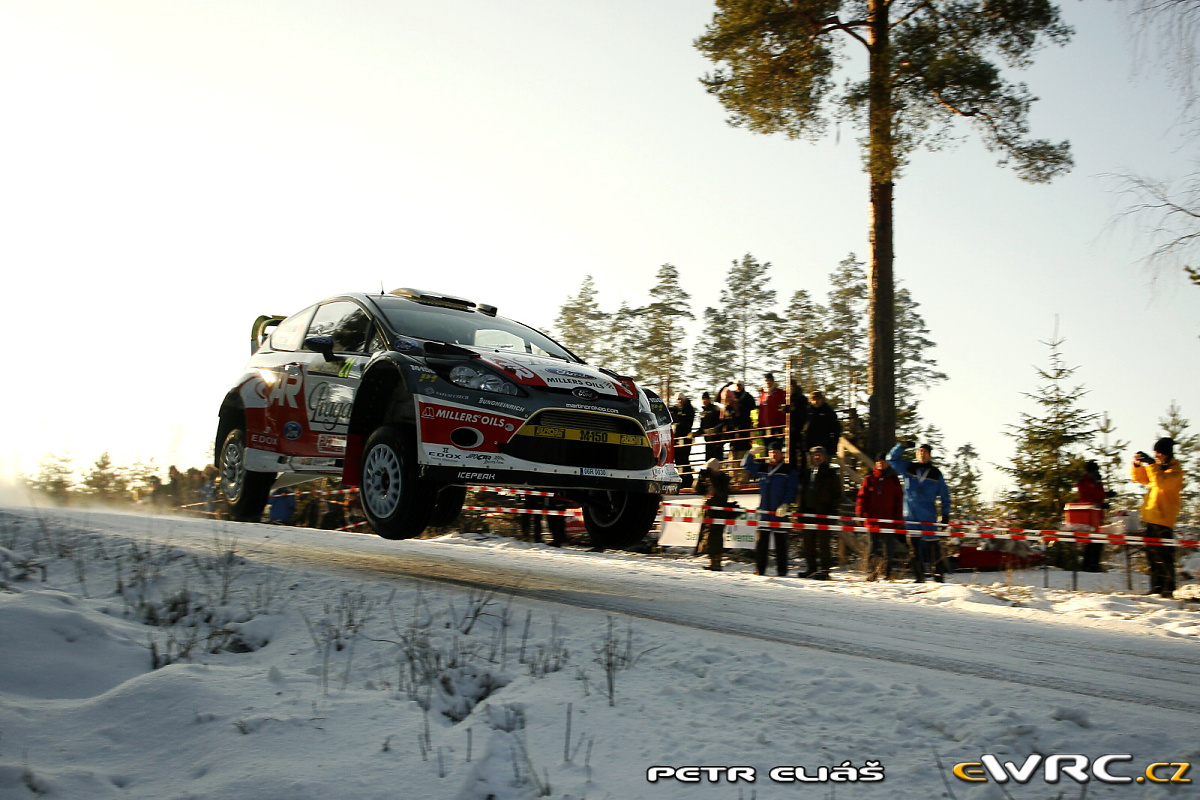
530	370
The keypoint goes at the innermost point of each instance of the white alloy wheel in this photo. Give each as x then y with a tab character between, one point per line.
381	481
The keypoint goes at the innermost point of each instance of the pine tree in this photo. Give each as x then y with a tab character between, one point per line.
106	481
662	355
745	301
929	64
964	478
843	345
580	325
1047	463
623	341
711	357
55	477
796	339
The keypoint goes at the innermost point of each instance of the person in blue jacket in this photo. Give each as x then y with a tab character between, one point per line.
924	485
777	485
283	505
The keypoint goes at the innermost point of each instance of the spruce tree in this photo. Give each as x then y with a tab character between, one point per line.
963	476
1187	453
662	355
106	481
915	369
1112	456
581	325
1048	461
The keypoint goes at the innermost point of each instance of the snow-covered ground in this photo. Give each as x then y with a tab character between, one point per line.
280	678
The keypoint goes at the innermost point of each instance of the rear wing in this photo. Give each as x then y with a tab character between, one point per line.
263	327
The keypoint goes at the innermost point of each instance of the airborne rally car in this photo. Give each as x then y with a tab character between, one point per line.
412	396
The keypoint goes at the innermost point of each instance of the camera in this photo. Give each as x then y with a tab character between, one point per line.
1142	458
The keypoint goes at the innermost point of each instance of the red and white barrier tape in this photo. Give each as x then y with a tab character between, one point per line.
542	512
953	532
507	490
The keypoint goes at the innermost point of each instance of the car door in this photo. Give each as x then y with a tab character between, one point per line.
331	381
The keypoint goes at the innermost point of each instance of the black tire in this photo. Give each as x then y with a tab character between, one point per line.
616	520
243	492
397	503
448	506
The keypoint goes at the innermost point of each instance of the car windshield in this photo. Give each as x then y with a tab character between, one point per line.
469	328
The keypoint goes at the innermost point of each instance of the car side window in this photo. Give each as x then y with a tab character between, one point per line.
348	325
289	334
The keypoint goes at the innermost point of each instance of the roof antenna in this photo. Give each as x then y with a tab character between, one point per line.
381	287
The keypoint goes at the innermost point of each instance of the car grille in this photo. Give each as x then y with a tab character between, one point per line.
572	439
586	422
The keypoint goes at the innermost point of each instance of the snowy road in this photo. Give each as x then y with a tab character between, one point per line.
1091	656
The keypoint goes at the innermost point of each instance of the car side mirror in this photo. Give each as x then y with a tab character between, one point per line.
322	345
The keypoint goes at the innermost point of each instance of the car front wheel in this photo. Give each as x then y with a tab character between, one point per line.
397	503
243	491
619	519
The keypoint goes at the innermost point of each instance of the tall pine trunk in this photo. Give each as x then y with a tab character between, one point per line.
881	166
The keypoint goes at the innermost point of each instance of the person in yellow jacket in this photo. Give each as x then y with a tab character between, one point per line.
1164	476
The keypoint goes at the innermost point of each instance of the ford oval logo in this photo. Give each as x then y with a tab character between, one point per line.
584	393
566	373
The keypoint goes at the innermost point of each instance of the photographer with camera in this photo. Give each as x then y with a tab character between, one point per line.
1164	476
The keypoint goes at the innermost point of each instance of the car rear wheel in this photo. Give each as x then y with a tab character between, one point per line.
397	503
243	491
619	519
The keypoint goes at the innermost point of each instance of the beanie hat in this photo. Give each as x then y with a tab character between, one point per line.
1166	446
713	465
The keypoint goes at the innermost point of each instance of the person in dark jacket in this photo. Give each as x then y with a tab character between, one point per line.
746	406
822	495
714	485
778	482
881	497
797	411
924	486
683	417
710	428
823	428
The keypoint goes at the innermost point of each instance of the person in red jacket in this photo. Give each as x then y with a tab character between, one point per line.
881	496
1091	490
770	407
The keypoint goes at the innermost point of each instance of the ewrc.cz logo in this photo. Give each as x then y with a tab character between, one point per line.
1073	766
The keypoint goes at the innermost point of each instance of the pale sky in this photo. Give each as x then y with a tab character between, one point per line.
171	170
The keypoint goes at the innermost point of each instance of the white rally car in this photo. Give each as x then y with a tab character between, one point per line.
412	396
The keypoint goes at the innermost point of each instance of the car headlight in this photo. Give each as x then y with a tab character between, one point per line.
482	381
